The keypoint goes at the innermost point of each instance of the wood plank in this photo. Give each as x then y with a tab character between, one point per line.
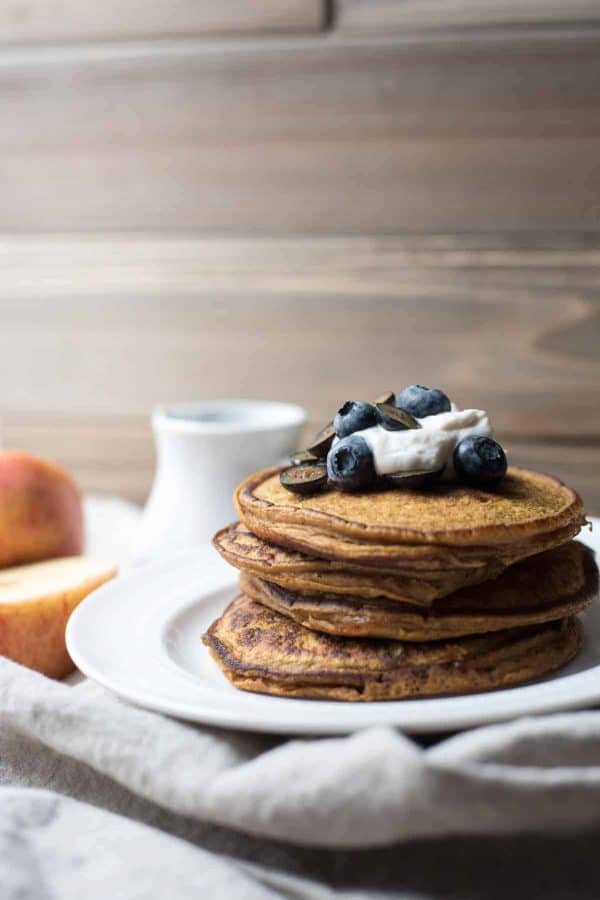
49	21
382	16
314	136
96	330
576	464
109	455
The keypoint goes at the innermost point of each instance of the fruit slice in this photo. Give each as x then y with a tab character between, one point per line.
388	398
393	419
322	442
302	456
413	479
35	604
304	479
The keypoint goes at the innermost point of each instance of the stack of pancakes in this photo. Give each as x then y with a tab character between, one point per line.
401	593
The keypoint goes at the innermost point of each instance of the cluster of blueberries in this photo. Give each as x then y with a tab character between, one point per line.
348	464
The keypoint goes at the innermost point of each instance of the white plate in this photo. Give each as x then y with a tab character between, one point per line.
139	636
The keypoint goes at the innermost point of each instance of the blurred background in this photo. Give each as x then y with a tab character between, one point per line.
299	200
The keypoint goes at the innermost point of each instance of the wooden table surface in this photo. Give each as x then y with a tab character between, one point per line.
96	329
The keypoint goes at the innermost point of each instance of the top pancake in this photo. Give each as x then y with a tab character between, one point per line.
525	506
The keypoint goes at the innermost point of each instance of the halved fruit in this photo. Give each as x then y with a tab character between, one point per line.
389	398
304	479
299	457
414	479
394	419
322	443
35	603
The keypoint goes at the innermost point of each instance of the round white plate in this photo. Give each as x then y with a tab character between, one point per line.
139	636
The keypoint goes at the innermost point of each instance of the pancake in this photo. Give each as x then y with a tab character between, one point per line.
550	586
261	650
409	558
301	572
524	506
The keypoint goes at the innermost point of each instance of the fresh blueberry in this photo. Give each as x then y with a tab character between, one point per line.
350	464
422	401
354	416
479	461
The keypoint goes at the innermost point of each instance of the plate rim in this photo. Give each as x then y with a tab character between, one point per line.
349	718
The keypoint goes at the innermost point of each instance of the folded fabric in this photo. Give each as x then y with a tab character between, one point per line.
51	846
372	788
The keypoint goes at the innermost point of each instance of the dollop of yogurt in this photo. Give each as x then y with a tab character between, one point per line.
427	448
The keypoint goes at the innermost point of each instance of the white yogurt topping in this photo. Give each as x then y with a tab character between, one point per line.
427	448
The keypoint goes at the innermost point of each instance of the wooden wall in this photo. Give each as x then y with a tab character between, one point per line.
302	200
321	134
66	21
96	330
383	16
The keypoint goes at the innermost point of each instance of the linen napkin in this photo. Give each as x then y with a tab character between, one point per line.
100	799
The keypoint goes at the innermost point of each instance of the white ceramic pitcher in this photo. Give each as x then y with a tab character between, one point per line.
203	451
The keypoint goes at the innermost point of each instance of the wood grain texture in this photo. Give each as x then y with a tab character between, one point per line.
95	330
60	21
377	16
319	136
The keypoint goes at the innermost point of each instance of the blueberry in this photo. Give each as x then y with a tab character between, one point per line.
322	442
415	478
422	401
354	416
479	461
394	419
350	464
305	478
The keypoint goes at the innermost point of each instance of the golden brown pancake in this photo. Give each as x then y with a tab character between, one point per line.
301	572
413	558
261	650
550	586
524	506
